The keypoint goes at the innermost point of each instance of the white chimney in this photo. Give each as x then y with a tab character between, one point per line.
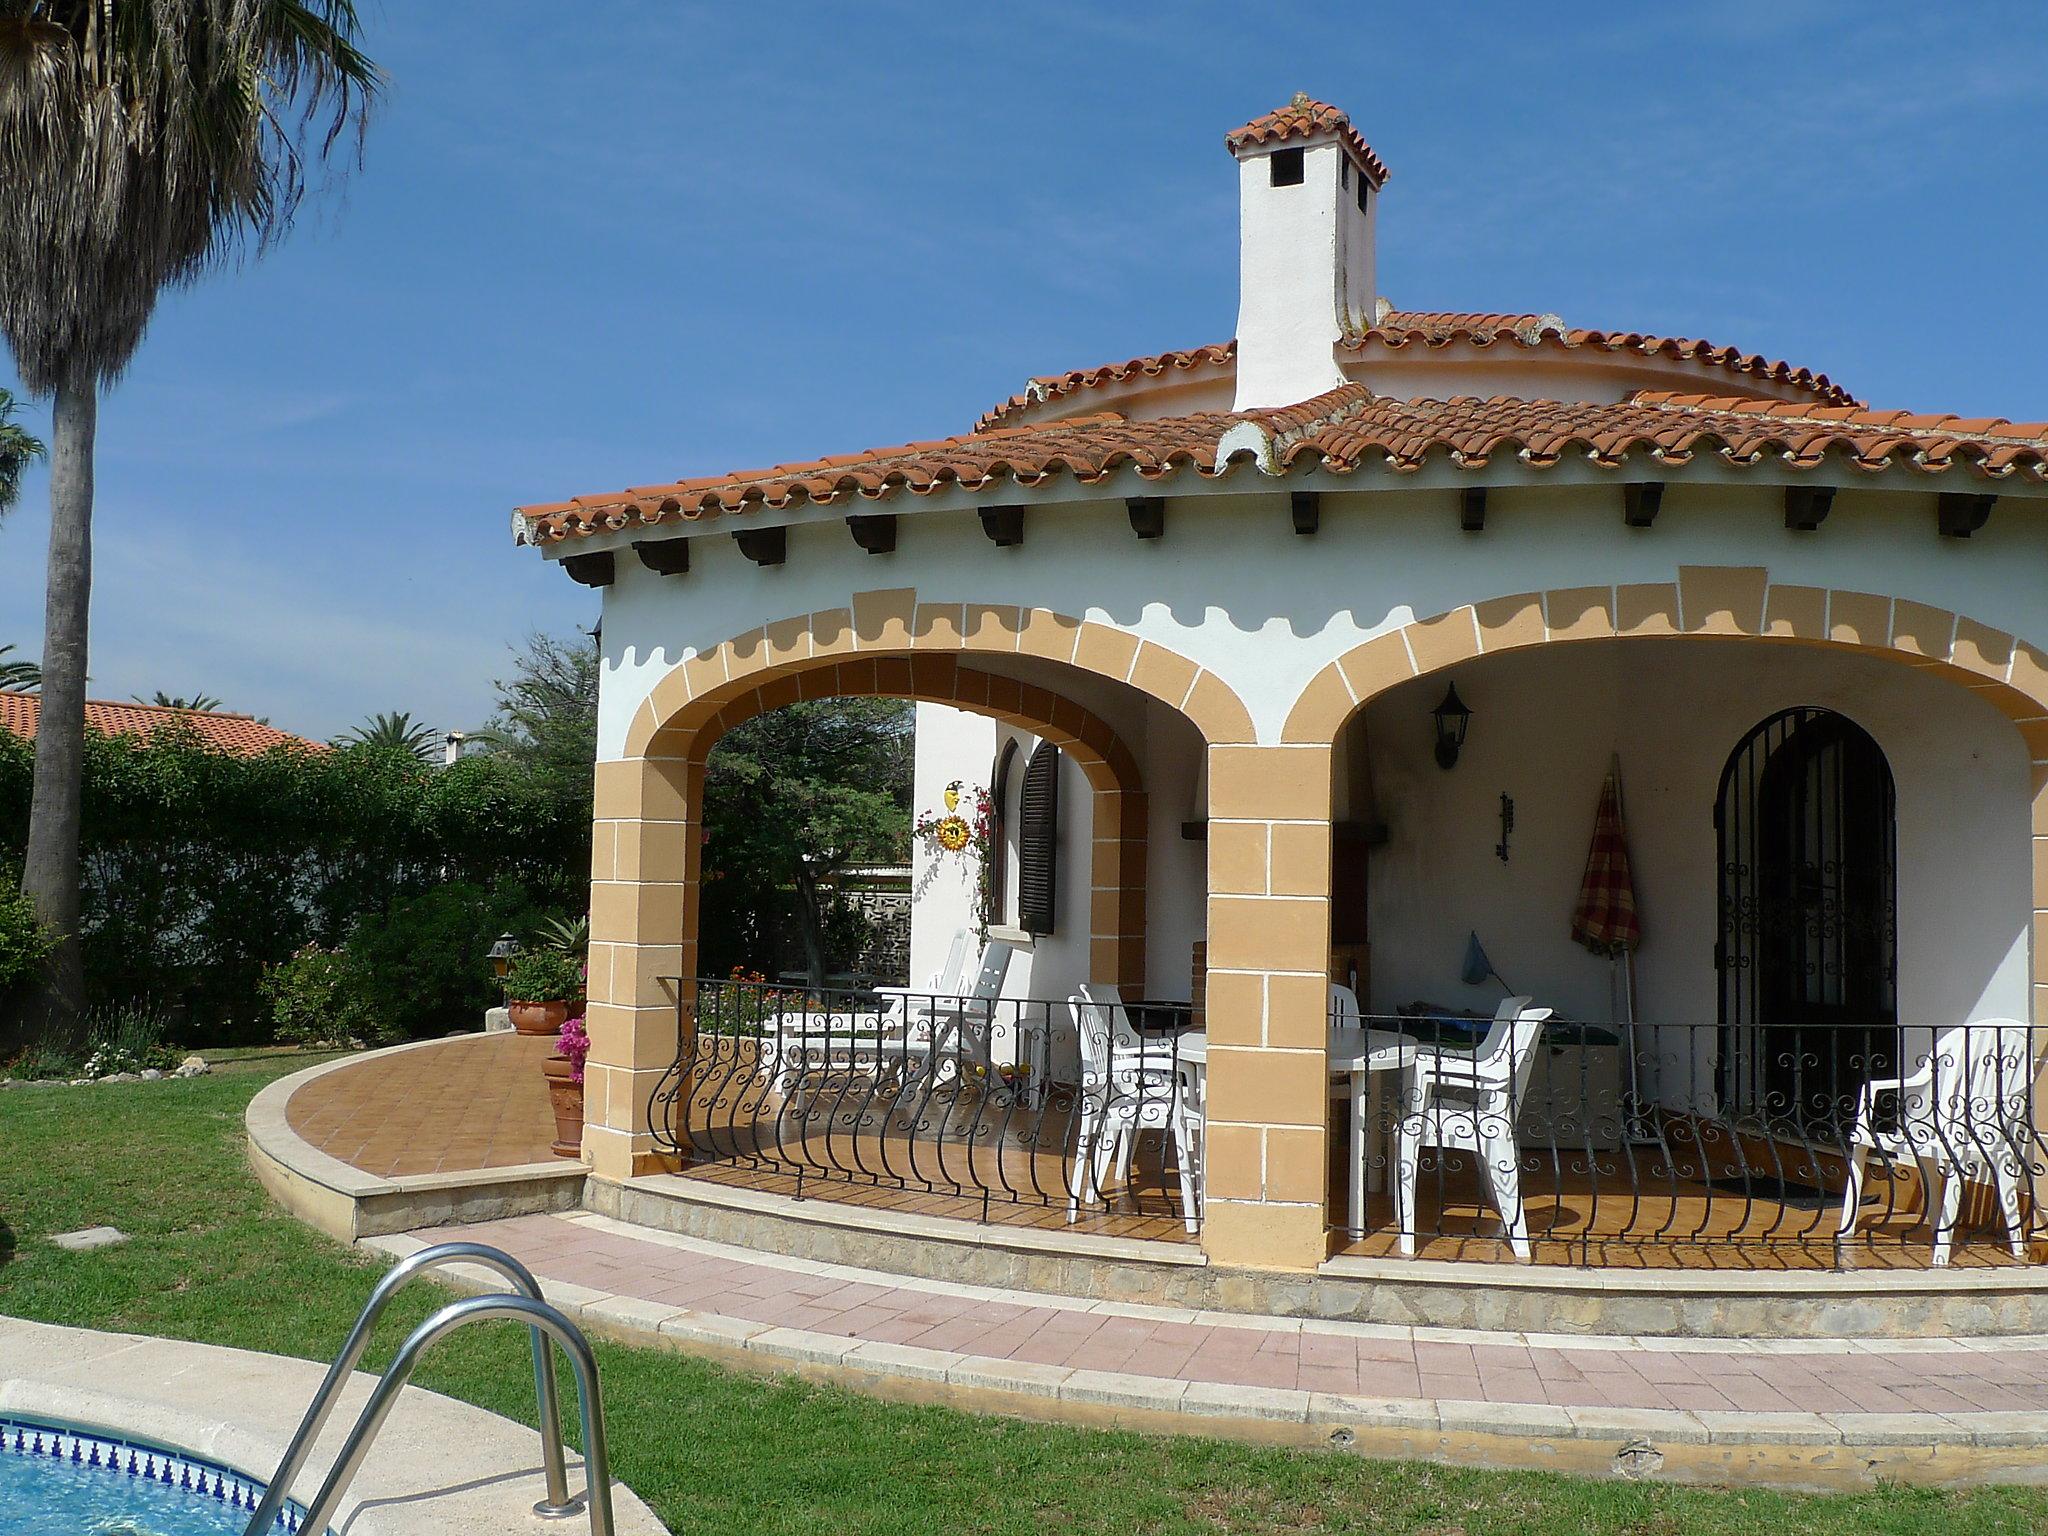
1308	196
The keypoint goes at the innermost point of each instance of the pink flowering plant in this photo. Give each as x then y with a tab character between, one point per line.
574	1043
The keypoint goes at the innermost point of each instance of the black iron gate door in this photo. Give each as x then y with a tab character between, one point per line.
1808	949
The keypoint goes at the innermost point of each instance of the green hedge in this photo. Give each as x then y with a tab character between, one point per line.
201	869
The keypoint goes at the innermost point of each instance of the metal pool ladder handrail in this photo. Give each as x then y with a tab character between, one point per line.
558	1504
537	1315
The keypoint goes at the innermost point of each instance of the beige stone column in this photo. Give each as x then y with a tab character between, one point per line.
645	842
1267	1005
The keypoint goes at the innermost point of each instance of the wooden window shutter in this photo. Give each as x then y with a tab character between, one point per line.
1038	840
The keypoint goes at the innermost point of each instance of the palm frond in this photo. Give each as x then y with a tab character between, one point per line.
394	732
18	450
202	702
143	142
18	675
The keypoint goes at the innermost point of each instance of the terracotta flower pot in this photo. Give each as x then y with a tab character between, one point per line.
566	1096
542	1018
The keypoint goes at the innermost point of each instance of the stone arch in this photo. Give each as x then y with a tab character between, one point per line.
1116	907
646	842
1742	601
894	623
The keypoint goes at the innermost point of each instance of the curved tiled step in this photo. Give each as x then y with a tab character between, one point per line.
1800	1413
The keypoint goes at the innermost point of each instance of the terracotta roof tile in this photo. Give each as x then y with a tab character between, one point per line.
1395	329
1398	328
1050	386
238	735
1673	426
1304	118
1343	430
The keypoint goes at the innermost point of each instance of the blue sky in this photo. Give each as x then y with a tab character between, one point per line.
614	243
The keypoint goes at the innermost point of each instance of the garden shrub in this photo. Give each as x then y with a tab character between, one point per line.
129	1037
202	869
544	976
317	996
424	961
23	942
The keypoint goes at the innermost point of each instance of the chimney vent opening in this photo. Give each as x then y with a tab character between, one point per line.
1287	166
1363	192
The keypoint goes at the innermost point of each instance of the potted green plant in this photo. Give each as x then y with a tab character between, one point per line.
564	1072
543	990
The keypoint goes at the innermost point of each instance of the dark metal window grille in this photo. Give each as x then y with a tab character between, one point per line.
1806	825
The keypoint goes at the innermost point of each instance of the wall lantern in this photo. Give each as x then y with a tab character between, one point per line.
1452	718
501	954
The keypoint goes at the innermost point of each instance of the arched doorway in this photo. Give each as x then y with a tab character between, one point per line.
1807	952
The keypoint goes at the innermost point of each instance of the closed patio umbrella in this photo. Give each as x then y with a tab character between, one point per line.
1605	920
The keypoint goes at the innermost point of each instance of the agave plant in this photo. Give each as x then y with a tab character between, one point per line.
565	935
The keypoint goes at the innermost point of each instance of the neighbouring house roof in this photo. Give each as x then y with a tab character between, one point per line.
1304	118
1394	329
1342	431
238	735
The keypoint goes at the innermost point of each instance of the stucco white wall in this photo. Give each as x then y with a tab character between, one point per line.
953	744
1544	725
1231	587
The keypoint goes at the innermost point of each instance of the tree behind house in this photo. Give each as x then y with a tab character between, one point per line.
792	800
18	450
395	732
142	143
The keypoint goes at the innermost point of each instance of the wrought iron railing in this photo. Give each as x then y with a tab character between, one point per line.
1052	1112
1640	1144
1547	1140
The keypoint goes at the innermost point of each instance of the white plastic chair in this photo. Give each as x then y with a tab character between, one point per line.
906	1047
1130	1084
1964	1113
1468	1104
961	1025
909	1006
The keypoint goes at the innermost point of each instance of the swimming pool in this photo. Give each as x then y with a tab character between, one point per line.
56	1480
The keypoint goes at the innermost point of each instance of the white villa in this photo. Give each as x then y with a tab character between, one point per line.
1296	664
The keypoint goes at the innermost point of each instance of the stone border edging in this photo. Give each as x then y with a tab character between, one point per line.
1821	1451
347	1203
441	1467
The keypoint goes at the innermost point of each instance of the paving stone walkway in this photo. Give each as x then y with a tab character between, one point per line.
661	1275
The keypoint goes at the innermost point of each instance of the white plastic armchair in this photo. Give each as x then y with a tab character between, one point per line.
1963	1114
1130	1084
1468	1104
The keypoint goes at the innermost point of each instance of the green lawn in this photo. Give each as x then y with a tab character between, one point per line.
718	1453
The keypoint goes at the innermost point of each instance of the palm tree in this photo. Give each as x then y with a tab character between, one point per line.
203	702
142	144
394	733
17	451
18	676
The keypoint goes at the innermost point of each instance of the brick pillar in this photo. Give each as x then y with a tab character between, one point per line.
643	894
1267	1002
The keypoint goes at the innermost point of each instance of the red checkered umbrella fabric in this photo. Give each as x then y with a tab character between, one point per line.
1604	920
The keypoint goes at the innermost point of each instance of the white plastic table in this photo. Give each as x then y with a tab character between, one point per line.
1355	1054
